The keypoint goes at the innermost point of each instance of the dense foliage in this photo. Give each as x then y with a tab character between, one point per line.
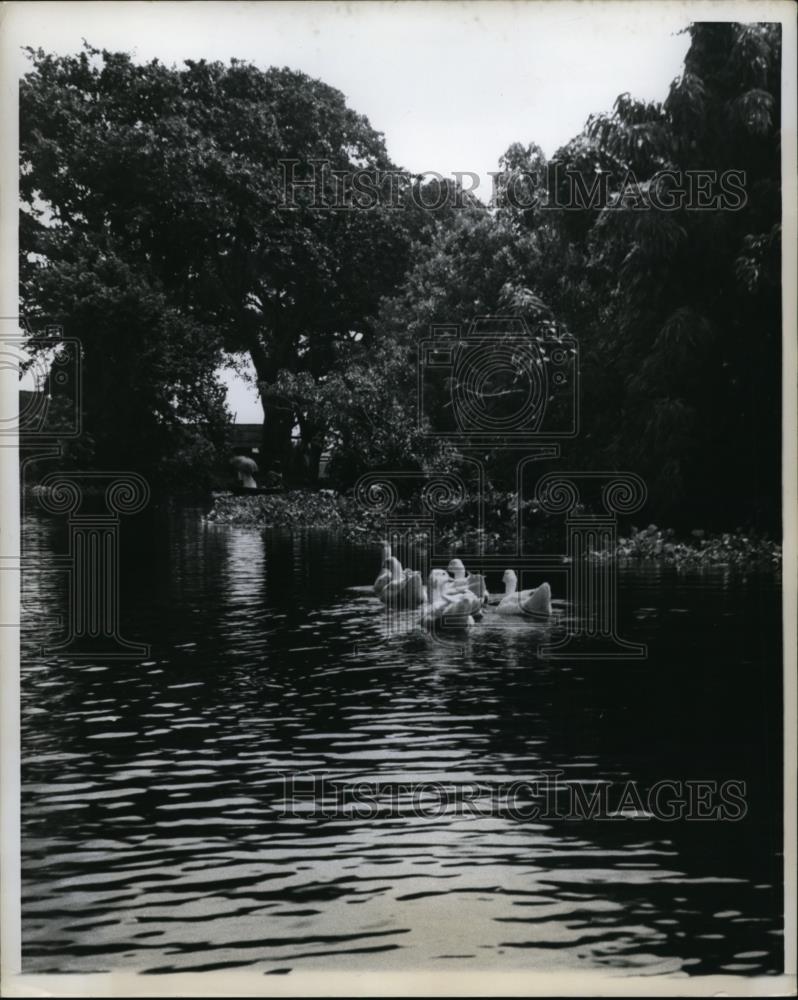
152	227
677	313
689	304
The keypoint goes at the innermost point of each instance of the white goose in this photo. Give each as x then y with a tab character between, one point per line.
472	581
385	575
449	606
535	602
399	588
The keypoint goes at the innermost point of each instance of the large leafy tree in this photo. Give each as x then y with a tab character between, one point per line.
360	403
479	263
677	312
170	184
368	404
685	343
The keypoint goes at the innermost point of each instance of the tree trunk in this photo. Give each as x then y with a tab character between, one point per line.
312	461
278	416
310	448
276	449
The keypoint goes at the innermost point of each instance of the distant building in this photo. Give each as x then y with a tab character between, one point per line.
246	439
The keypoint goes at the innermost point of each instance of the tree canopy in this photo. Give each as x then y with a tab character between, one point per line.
155	227
144	184
677	312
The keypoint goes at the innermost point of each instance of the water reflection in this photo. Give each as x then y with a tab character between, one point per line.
155	833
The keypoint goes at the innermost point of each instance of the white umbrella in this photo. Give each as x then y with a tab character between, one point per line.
246	469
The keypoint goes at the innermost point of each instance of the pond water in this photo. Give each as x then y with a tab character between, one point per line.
157	832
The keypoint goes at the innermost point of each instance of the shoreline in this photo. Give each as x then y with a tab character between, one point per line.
306	509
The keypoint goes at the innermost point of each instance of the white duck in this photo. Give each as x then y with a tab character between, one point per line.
449	606
535	602
472	581
385	575
403	589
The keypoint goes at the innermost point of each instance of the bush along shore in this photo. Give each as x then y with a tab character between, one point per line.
738	548
295	509
306	509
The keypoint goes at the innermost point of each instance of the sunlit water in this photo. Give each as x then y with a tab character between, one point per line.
155	834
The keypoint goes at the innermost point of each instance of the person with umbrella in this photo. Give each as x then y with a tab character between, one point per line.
245	468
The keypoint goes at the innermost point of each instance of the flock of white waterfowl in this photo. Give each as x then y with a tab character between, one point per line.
454	596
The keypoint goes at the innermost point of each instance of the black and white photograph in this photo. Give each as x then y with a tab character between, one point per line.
398	484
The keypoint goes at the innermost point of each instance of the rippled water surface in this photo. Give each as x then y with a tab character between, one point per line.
155	829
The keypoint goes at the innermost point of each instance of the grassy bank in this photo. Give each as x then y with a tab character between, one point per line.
296	509
333	511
